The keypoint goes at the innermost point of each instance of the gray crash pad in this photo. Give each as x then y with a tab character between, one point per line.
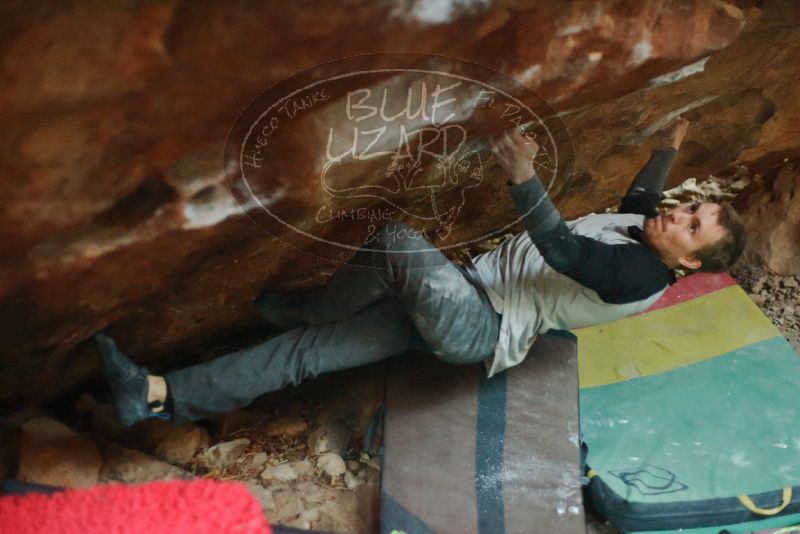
463	453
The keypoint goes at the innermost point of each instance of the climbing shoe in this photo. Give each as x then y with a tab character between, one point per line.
128	383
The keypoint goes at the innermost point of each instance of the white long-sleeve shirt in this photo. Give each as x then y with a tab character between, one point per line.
533	298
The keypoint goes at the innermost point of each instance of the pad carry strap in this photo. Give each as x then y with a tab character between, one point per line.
750	505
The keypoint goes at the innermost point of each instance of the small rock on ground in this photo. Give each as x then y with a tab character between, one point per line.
282	472
223	454
352	481
328	438
257	461
303	468
176	444
353	465
287	503
311	492
780	305
331	464
262	495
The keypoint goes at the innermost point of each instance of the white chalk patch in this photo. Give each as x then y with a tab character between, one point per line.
641	50
681	73
93	249
572	29
641	135
221	206
434	11
594	57
586	22
531	75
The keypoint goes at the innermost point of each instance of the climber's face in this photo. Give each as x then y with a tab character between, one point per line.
679	234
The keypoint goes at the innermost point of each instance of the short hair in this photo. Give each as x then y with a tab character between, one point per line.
723	254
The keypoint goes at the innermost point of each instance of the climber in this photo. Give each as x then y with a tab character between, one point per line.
399	293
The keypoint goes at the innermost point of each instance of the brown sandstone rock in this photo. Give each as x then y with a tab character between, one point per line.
55	455
771	213
229	422
121	464
116	211
288	427
330	437
180	446
164	439
176	444
104	422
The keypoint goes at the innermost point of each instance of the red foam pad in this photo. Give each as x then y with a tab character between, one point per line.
175	507
690	287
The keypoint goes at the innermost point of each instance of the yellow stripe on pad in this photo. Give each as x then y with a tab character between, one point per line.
675	336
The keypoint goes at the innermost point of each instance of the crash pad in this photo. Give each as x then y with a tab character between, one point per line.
691	414
463	453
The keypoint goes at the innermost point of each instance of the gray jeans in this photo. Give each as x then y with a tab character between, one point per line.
398	294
